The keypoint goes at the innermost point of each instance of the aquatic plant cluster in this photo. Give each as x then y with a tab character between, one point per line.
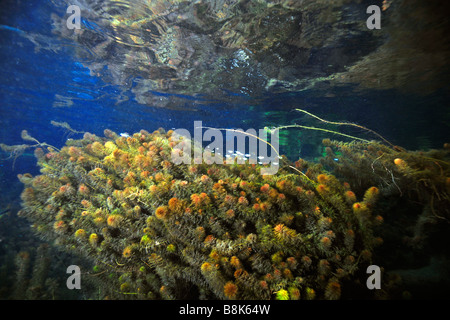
156	230
414	185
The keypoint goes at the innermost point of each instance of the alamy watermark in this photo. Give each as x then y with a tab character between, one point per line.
372	22
74	20
73	281
374	280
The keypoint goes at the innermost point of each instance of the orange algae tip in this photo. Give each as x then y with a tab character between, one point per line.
209	239
324	222
322	178
350	196
243	201
60	226
287	274
371	195
263	284
243	184
93	239
204	198
83	189
265	188
195	198
330	234
206	267
263	207
234	261
127	252
284	233
161	212
333	290
174	204
306	261
137	209
80	233
171	248
114	220
272	193
214	255
99	221
321	189
309	194
378	241
159	176
400	163
145	174
200	232
372	192
324	266
350	259
326	242
230	290
357	207
240	273
294	293
251	238
310	294
366	254
228	199
74	151
86	203
230	213
379	220
281	185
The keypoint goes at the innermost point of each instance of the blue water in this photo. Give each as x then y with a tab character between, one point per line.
42	81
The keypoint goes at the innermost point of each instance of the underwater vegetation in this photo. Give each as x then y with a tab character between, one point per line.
199	231
155	230
415	188
419	175
30	267
31	277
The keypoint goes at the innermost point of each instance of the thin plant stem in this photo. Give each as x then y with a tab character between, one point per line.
346	124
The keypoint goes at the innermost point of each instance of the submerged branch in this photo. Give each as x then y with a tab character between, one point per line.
17	150
346	124
65	125
320	129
